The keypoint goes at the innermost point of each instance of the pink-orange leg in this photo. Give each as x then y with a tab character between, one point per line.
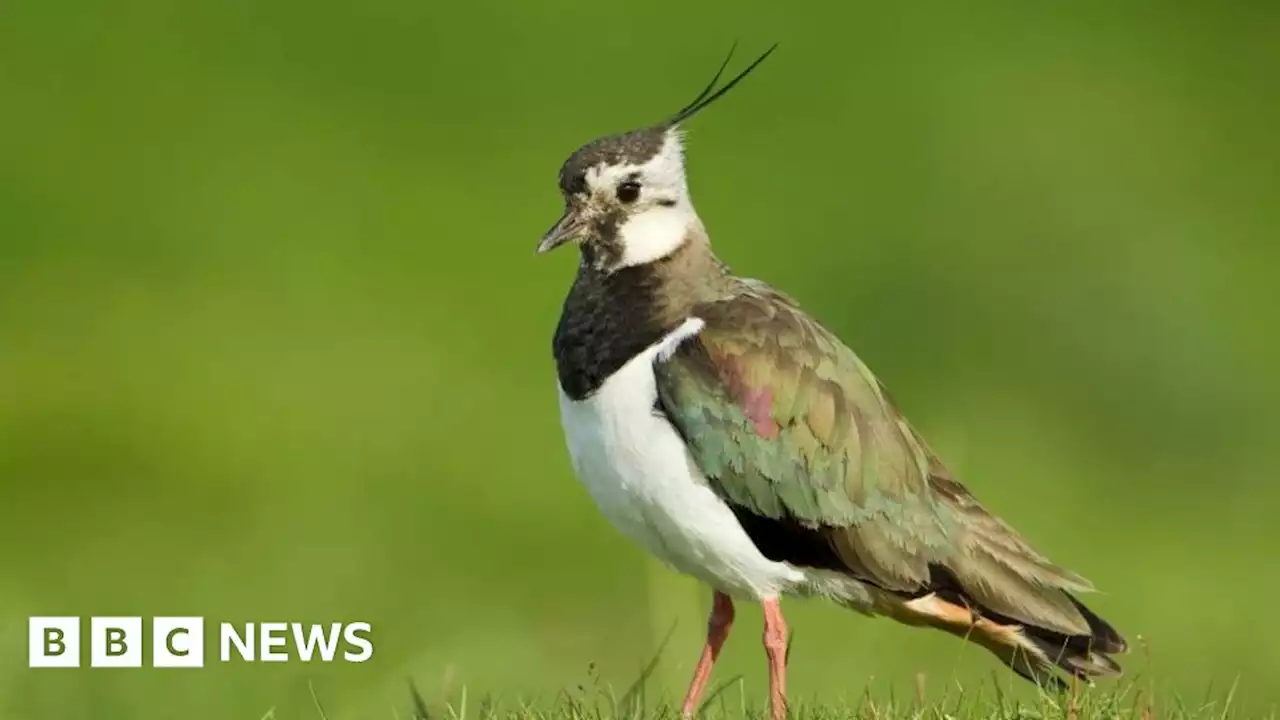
717	631
775	647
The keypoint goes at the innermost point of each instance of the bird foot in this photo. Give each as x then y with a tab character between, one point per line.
718	626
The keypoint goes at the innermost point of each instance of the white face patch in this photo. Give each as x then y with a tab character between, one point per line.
663	215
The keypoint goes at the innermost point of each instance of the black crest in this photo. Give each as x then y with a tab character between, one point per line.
706	97
639	146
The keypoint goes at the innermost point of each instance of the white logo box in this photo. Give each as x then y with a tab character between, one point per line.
54	642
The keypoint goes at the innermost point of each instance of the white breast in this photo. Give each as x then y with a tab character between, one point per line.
636	467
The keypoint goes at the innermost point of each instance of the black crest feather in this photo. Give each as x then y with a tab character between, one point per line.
638	146
707	96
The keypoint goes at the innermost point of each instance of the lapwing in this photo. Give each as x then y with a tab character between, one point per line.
728	433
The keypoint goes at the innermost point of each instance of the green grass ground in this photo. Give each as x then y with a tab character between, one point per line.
1133	699
1137	696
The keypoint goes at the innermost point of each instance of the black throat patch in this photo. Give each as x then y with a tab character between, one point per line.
608	319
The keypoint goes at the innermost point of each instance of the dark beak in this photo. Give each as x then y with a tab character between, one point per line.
566	228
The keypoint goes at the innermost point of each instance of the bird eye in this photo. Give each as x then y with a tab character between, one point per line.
628	191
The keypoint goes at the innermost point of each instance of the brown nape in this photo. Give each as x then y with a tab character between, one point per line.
690	276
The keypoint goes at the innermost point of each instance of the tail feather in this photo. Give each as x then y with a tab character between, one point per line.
1105	638
1034	653
999	592
993	585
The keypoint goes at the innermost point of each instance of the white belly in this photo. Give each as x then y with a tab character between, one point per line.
636	467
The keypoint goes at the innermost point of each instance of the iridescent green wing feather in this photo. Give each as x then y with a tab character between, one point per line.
788	424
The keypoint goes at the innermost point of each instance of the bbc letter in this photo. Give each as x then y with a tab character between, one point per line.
53	642
177	642
115	642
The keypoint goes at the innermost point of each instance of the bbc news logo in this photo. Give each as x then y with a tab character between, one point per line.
178	642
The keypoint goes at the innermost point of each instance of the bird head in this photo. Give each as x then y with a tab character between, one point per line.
626	198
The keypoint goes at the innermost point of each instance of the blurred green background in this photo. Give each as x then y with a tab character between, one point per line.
274	344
